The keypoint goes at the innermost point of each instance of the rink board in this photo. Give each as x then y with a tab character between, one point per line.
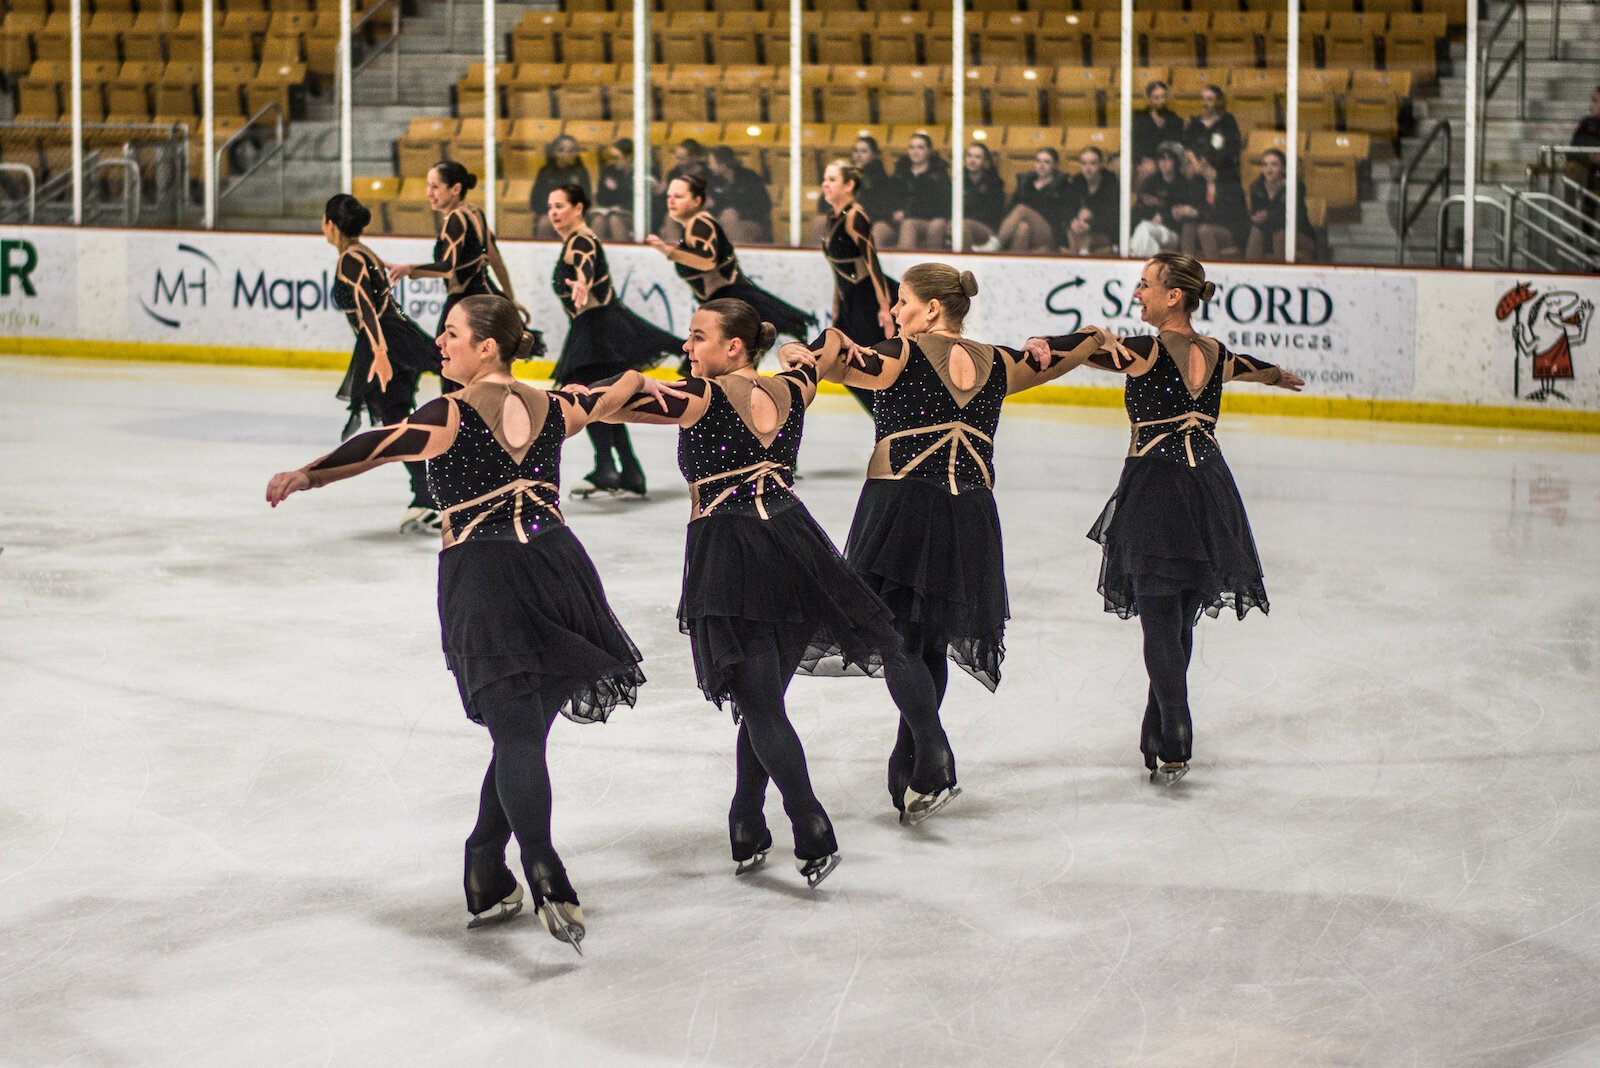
1372	343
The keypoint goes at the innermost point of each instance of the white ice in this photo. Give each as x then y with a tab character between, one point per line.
235	777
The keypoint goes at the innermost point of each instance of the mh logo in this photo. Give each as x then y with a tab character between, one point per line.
18	258
187	288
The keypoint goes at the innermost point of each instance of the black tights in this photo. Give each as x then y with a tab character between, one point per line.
611	439
768	747
516	797
1168	622
921	758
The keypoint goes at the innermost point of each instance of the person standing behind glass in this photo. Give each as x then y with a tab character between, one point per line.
1213	135
1151	127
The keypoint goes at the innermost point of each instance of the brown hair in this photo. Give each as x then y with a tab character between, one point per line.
496	317
739	320
1184	272
953	289
848	172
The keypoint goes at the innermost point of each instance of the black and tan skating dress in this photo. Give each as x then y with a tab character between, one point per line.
708	262
463	255
361	290
860	288
604	338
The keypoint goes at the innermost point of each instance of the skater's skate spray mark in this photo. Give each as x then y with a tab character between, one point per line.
1054	303
180	288
1544	335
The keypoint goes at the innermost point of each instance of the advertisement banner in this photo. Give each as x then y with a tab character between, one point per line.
38	282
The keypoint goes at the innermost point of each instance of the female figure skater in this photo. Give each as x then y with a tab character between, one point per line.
926	536
391	351
1175	537
603	338
862	294
526	627
466	250
764	590
706	259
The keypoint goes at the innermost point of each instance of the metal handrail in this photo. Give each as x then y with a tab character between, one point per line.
394	41
1440	180
132	189
1517	55
1578	191
33	185
1570	237
275	152
1460	199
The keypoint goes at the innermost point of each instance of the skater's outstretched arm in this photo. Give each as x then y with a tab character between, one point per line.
1044	360
354	272
635	398
454	235
423	435
1133	356
838	359
1241	368
698	252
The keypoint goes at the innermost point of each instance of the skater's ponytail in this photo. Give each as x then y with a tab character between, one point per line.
1185	273
496	317
452	173
941	282
348	215
740	320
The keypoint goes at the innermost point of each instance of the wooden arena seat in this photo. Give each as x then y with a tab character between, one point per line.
837	45
410	217
737	103
690	102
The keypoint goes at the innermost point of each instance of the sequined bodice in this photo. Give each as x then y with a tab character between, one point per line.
376	283
844	255
929	435
600	290
729	470
472	274
1168	421
486	493
724	272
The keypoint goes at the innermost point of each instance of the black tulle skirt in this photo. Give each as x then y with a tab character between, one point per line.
411	353
1171	528
936	560
746	578
784	317
609	340
508	608
858	310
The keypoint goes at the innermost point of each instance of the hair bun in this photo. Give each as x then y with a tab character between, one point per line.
969	283
360	215
767	338
530	346
470	183
1208	291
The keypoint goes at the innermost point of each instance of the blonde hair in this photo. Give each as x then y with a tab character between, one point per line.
1183	272
953	289
848	172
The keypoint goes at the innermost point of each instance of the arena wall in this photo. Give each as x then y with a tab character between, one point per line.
1373	343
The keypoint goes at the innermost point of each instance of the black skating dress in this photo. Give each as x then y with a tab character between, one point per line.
860	288
754	558
463	256
517	592
603	337
926	535
361	290
1176	522
716	273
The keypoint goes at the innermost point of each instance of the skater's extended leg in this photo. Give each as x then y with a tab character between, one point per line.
488	880
1167	661
917	683
604	476
630	475
747	823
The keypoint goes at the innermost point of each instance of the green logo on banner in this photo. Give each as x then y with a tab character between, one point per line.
17	260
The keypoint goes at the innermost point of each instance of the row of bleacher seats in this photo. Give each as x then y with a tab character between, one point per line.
1410	41
1358	99
980	7
141	91
221	7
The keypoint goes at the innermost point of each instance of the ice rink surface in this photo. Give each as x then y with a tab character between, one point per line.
235	777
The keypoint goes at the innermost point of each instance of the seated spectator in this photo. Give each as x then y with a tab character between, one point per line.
1037	221
1588	167
1151	127
920	195
1213	135
874	190
1268	213
984	204
1098	197
611	217
1154	229
737	197
688	158
562	166
1213	219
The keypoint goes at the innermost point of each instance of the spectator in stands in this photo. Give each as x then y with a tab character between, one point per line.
1097	195
562	166
1213	135
611	218
1268	212
919	196
737	197
1154	229
873	192
1588	133
688	160
985	203
1037	221
1213	219
1152	126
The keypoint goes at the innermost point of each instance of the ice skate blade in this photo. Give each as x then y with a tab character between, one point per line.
583	493
920	806
817	870
1169	774
751	864
421	521
564	922
499	912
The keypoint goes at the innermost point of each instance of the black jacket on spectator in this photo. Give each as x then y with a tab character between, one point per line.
1224	207
550	176
746	193
1277	210
875	192
1155	198
920	196
985	199
1105	202
1055	202
1588	133
1219	145
1147	135
615	188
